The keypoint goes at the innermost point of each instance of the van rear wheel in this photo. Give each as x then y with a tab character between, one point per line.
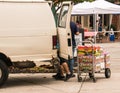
3	72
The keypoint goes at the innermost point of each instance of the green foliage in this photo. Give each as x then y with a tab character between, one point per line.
75	1
78	1
112	1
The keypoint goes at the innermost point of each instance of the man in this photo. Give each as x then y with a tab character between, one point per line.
74	30
63	65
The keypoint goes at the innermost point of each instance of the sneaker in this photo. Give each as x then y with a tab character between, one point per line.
54	76
57	75
60	78
68	76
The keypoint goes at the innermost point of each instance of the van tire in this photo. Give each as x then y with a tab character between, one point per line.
3	72
21	65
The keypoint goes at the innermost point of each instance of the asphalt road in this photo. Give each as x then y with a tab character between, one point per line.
44	83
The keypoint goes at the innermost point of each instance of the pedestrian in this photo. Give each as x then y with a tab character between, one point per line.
62	67
112	36
68	67
74	30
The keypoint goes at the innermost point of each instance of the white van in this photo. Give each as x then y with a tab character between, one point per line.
28	32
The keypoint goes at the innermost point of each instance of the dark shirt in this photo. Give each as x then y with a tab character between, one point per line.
73	28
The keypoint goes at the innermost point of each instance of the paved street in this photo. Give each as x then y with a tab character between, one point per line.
44	83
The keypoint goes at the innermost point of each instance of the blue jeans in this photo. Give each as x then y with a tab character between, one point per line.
71	62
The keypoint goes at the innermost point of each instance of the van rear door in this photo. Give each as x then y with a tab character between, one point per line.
64	32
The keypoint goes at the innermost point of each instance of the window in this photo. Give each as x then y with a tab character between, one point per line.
63	16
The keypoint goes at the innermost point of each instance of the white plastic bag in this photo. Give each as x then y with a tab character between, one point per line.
78	39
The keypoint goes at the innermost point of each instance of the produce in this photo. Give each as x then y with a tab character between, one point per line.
89	50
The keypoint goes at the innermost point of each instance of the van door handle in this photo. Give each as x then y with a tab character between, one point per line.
68	34
69	42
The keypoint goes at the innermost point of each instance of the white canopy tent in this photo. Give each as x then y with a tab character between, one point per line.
96	7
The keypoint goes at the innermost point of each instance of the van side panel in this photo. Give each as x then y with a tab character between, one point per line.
26	31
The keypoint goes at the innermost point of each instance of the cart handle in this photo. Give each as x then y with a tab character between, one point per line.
87	42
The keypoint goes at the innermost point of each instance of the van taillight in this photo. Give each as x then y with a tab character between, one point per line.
54	39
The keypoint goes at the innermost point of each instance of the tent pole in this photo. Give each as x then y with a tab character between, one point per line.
110	21
95	25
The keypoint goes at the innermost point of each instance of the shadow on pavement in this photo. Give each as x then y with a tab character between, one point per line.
29	80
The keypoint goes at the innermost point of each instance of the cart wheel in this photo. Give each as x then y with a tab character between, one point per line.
107	72
94	79
79	79
90	75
